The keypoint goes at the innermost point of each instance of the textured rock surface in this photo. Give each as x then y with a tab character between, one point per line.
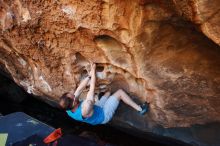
203	13
149	48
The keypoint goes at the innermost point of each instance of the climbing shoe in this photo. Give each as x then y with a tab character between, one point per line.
145	108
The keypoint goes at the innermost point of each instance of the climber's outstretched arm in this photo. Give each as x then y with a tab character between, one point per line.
87	105
81	86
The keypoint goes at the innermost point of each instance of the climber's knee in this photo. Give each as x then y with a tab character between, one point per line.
118	93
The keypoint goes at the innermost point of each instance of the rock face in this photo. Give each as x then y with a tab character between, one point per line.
153	49
204	14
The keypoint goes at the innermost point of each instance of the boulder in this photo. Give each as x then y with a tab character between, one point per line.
162	52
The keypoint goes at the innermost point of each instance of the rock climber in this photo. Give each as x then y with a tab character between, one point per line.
100	112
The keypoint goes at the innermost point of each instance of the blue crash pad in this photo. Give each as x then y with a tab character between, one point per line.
20	126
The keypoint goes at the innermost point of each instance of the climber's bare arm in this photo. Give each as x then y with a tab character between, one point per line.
81	86
87	105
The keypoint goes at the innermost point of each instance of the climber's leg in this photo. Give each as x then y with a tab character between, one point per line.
109	108
121	95
103	99
112	103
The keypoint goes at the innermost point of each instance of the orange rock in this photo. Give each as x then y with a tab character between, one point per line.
144	47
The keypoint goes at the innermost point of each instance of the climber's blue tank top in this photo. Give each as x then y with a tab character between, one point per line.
96	118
